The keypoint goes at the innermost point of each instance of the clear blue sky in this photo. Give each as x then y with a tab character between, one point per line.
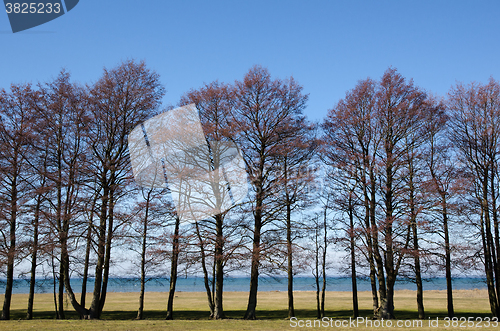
326	45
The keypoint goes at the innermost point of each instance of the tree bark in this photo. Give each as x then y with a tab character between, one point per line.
418	276
316	276
416	249
143	258
109	240
447	251
87	253
254	272
219	268
31	296
496	234
94	306
204	268
11	253
291	310
355	309
323	262
173	271
387	307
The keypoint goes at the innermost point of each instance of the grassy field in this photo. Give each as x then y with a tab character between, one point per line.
190	311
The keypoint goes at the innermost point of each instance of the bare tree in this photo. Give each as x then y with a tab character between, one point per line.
475	119
214	103
37	158
124	97
15	131
350	145
62	120
368	136
262	112
298	173
401	112
443	184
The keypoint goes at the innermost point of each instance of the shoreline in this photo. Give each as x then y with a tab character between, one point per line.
402	291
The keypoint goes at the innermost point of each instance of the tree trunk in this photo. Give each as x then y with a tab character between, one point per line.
94	306
316	276
87	254
291	310
254	273
60	292
86	266
488	246
109	240
418	276
219	268
496	245
12	248
369	241
416	249
447	250
173	270
10	272
204	268
387	307
355	309
487	265
31	297
376	252
323	263
54	285
143	258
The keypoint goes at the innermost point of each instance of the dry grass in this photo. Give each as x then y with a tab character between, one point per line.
190	310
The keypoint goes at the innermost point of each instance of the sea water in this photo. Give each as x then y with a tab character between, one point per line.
196	284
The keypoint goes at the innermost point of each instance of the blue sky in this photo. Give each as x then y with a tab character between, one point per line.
326	45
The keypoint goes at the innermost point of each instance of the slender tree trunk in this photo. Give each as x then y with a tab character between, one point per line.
382	289
94	306
60	292
487	259
109	240
31	297
447	251
488	245
416	249
323	262
86	266
316	276
10	262
219	268
173	270
143	258
54	285
60	296
84	313
291	310
87	254
496	245
387	304
213	280
418	276
355	309
12	246
369	243
376	252
254	273
369	190
204	268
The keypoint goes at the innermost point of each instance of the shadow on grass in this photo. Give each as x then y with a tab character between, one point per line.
236	314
